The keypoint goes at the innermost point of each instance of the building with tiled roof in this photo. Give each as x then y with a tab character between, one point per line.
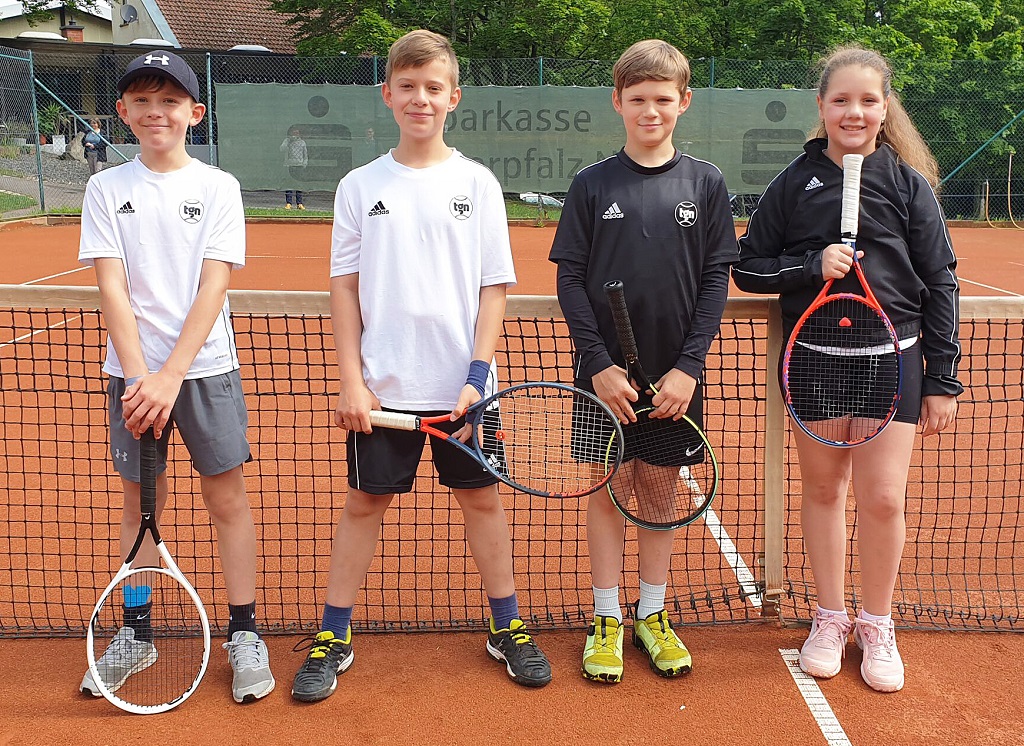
202	24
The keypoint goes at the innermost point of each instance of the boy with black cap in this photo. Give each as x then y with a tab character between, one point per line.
163	232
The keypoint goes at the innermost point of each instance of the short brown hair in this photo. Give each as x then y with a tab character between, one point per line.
421	47
652	59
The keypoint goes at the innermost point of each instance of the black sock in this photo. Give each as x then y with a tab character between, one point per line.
241	618
139	618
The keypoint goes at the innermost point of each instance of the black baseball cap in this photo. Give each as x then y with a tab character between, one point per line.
163	64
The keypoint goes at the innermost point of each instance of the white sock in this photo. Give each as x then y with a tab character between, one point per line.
885	619
830	612
652	599
606	602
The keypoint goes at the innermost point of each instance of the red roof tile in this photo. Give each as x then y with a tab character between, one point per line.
221	24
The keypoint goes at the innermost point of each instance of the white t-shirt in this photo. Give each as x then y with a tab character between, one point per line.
162	227
424	242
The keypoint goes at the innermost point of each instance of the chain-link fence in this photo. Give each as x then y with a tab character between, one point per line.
966	110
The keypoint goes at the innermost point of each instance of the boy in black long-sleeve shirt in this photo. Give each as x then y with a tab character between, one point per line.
660	222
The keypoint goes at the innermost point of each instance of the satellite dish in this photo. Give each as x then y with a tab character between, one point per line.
128	14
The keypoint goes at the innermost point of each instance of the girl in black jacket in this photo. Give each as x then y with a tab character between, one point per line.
791	247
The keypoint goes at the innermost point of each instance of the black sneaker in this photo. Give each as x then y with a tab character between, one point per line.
328	656
525	662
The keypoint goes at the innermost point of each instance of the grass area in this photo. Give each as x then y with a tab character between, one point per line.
516	211
280	212
9	201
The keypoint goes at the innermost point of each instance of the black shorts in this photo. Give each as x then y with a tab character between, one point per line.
912	377
678	444
385	461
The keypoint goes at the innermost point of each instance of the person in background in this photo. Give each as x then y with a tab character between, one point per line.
295	155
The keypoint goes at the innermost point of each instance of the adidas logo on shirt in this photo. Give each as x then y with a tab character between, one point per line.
126	209
814	183
378	209
613	213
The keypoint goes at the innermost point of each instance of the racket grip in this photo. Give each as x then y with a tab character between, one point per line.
147	473
394	420
615	291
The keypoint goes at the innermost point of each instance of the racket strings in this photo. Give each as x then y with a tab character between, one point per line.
668	476
550	440
842	371
148	640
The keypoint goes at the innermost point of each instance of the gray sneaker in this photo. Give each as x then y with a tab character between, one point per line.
251	664
123	657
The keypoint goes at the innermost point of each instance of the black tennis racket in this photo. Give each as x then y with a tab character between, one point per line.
842	367
531	437
669	474
148	640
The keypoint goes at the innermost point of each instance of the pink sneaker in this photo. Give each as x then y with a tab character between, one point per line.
822	653
882	667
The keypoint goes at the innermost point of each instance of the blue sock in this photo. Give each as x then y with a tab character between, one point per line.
504	610
337	620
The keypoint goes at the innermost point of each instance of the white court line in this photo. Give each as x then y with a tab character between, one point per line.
51	326
820	709
29	335
990	287
59	274
725	543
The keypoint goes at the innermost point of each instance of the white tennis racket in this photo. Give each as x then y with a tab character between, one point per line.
148	640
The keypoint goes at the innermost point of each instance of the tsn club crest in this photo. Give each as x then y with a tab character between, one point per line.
461	207
191	211
686	214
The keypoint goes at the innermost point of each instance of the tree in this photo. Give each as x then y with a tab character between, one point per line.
36	11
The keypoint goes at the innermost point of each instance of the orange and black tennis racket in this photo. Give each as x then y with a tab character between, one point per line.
842	367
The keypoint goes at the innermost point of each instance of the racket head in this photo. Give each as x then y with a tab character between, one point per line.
547	439
669	474
842	371
157	670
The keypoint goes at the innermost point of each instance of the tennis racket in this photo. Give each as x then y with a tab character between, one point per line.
544	439
669	474
148	640
842	367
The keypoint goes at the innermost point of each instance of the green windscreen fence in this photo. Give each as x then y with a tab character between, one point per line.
532	138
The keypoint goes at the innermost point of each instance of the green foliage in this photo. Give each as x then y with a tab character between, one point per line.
53	118
601	29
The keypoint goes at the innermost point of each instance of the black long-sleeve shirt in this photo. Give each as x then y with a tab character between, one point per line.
908	255
667	234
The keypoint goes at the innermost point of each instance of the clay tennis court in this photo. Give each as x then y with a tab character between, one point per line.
442	688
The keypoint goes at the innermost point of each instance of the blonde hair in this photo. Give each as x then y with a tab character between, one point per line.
418	48
651	59
897	131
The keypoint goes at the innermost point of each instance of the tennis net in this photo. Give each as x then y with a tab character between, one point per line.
60	499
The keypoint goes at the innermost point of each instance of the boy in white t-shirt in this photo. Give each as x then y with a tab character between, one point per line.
420	263
163	233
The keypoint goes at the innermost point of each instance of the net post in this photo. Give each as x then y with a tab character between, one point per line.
774	471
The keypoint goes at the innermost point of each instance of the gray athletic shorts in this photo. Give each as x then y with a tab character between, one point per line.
210	415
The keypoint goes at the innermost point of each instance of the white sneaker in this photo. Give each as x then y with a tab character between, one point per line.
123	657
882	667
250	663
822	653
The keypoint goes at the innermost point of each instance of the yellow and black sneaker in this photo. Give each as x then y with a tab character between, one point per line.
602	657
525	662
654	635
328	656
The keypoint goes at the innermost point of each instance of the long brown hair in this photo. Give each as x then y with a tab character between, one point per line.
898	131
